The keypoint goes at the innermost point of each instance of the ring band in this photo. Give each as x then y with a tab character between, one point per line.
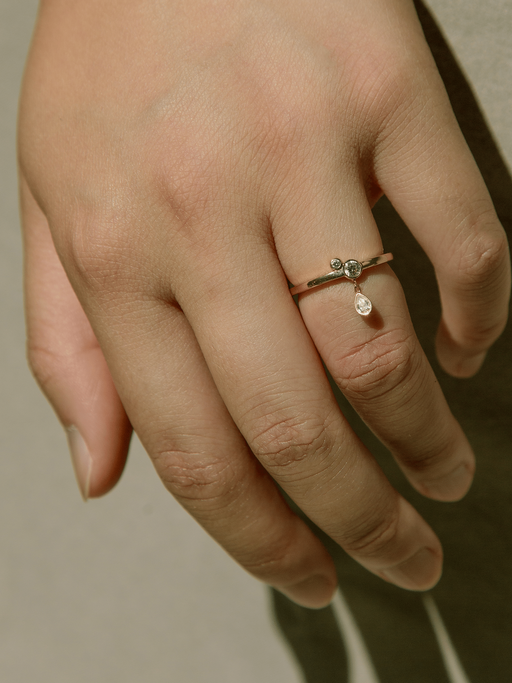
339	272
350	270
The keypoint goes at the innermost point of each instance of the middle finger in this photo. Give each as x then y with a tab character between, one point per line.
271	379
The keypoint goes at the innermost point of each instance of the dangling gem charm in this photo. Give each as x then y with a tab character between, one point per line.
362	303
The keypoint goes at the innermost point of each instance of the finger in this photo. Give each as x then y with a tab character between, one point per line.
67	361
197	451
271	379
426	169
377	361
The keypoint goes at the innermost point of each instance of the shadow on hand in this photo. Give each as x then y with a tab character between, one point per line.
476	588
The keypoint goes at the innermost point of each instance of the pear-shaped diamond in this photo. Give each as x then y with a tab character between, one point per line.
363	304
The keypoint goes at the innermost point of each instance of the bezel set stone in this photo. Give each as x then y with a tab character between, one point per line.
351	268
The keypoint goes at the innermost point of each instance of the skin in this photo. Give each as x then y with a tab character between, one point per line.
179	162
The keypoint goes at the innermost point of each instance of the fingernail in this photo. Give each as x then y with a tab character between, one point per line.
315	592
81	458
420	572
451	487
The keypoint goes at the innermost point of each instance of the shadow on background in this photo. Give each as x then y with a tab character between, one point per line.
475	593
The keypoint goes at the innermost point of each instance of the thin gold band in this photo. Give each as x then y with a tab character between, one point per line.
350	270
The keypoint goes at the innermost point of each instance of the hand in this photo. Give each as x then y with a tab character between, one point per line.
179	161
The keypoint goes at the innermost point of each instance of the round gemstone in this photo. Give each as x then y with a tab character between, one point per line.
336	264
352	269
363	304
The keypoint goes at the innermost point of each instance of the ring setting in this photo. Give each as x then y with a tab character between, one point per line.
351	270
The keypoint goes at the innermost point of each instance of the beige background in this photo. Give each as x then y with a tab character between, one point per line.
129	588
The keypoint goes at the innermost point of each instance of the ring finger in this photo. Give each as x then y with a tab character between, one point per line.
376	360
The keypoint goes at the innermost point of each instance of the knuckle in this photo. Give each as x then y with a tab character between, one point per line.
373	538
283	442
194	194
481	256
193	477
192	186
98	250
379	366
193	153
276	563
